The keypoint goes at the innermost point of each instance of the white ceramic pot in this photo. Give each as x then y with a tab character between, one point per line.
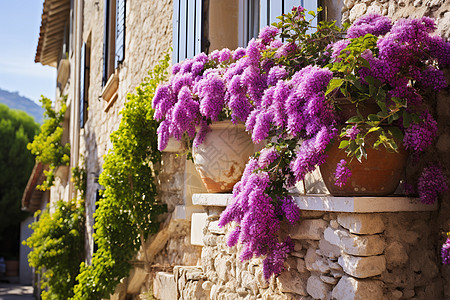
221	158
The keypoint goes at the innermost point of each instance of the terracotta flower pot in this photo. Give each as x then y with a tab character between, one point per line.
378	175
221	158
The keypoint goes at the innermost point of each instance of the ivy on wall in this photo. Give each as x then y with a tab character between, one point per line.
57	244
47	145
128	211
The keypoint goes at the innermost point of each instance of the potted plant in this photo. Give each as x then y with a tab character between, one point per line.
287	93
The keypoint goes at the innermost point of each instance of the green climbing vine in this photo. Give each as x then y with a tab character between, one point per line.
128	210
57	244
47	145
79	178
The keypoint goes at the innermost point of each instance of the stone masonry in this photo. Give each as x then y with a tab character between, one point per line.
337	256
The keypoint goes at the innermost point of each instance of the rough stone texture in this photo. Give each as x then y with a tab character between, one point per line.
189	283
361	223
164	286
359	245
316	267
317	288
363	245
349	288
309	229
293	282
396	255
363	267
329	250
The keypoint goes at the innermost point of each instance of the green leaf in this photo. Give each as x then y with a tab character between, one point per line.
373	117
354	119
406	119
343	144
396	133
370	80
334	84
416	118
373	129
382	106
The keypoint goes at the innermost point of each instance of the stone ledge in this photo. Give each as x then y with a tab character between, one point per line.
334	204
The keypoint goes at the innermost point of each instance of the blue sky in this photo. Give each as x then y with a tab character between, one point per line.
20	21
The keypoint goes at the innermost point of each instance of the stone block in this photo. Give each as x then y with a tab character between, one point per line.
309	229
198	222
363	245
358	245
293	282
213	227
362	267
349	288
164	286
329	250
137	277
249	282
361	223
222	265
315	263
317	288
396	255
328	279
357	11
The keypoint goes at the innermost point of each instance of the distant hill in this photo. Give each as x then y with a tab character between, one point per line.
14	101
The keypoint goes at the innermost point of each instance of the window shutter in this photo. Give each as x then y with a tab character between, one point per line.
187	29
82	85
120	32
271	9
249	21
311	5
105	43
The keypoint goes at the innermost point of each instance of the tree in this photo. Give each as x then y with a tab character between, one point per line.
17	129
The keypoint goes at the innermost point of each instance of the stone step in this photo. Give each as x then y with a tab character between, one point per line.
164	286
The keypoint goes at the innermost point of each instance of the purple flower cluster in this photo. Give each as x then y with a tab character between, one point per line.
445	252
419	136
370	23
352	133
202	87
252	205
431	182
342	173
405	50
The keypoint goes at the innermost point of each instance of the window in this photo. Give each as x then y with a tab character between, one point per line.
248	21
114	37
188	29
271	9
85	62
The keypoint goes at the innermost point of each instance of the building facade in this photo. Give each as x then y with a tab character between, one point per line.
103	49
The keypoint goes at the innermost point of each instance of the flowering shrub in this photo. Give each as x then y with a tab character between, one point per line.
395	65
285	93
445	252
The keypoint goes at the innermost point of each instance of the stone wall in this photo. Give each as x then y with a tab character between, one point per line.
148	37
440	11
337	256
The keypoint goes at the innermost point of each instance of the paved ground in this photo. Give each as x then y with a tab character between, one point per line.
11	291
